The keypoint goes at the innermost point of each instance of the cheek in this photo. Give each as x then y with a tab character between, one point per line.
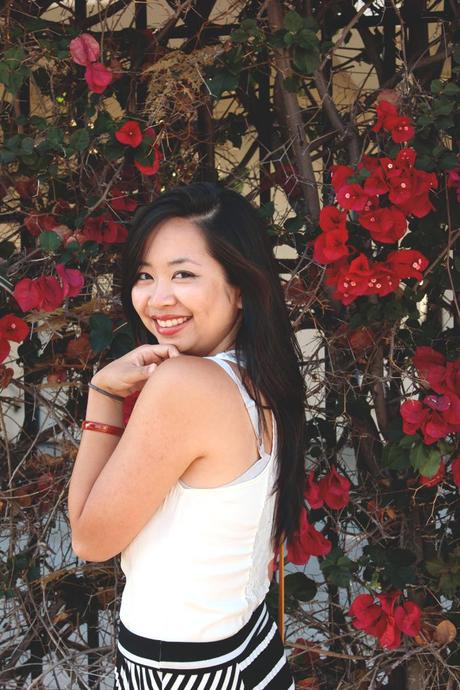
136	298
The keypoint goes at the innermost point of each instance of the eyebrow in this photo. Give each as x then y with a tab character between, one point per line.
174	262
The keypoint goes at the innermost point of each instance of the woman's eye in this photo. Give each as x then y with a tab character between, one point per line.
185	273
141	276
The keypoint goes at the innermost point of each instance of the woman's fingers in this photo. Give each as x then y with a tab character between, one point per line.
155	354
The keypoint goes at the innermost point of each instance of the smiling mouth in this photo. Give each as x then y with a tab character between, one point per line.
171	323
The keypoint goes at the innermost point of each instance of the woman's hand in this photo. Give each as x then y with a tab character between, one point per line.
128	374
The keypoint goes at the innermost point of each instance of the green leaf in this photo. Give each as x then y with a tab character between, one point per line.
7	248
436	86
451	89
425	459
395	457
292	84
338	568
306	60
220	82
293	21
122	343
299	586
55	138
402	557
49	241
79	140
101	333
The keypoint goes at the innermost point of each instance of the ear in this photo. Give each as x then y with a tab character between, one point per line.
239	303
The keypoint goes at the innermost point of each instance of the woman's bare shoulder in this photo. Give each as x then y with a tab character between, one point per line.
191	371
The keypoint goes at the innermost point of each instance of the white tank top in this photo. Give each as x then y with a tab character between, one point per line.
199	567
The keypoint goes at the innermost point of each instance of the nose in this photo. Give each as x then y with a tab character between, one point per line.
161	295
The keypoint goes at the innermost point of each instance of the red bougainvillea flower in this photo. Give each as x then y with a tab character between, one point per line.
436	478
72	280
312	493
84	49
413	413
402	130
434	428
40	222
368	162
13	328
453	180
456	470
330	218
51	293
408	617
4	349
376	183
410	191
387	116
430	366
440	403
154	166
129	134
287	177
352	197
121	201
104	230
340	175
307	541
330	246
452	377
98	77
385	621
407	263
405	158
334	489
353	279
383	280
367	615
386	225
452	414
27	294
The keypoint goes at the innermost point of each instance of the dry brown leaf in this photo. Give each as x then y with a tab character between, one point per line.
61	616
445	632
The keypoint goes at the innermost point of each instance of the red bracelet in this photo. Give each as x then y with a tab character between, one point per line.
105	428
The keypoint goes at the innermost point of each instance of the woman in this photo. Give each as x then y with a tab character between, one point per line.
208	475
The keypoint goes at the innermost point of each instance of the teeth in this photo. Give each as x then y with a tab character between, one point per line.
172	322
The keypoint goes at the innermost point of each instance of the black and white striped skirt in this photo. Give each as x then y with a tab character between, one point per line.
251	659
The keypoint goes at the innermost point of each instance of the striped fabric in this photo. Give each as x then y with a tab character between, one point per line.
252	659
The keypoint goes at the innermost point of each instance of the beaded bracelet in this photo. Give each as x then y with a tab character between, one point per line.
104	428
109	395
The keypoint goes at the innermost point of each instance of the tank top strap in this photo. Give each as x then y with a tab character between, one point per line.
249	403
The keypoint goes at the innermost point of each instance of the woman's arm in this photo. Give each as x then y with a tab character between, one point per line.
94	452
167	431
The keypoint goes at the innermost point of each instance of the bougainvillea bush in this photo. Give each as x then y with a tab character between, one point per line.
100	114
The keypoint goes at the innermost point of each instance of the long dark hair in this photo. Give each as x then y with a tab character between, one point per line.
238	239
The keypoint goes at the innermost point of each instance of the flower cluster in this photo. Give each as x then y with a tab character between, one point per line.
388	118
385	620
392	190
85	51
102	229
453	181
306	542
437	414
333	490
48	292
130	134
12	328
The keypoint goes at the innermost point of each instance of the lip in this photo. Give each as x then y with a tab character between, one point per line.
167	317
172	329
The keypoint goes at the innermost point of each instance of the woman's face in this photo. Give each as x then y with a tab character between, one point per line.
179	280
